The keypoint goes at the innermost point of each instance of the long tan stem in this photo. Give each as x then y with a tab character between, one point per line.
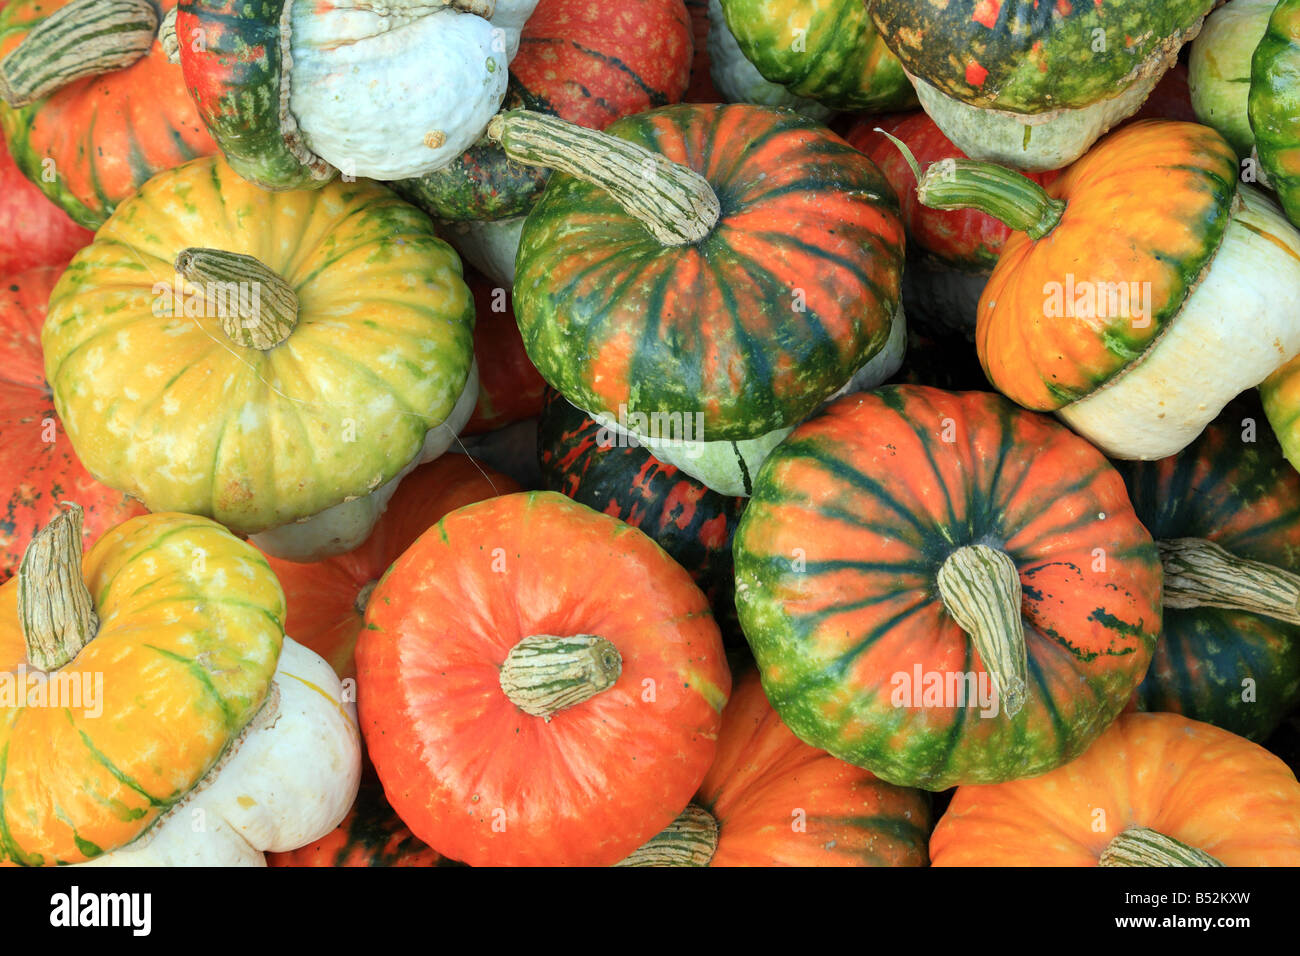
980	587
1200	573
676	204
55	608
690	840
544	674
257	309
1140	846
84	38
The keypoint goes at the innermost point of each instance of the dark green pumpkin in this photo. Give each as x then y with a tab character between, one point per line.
586	461
1233	668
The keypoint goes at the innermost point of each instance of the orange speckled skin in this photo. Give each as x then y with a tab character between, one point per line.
1190	781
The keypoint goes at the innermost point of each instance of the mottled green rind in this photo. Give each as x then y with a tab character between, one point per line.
1036	57
837	59
1275	104
235	83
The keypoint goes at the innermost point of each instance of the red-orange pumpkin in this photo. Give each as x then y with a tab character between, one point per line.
33	231
510	388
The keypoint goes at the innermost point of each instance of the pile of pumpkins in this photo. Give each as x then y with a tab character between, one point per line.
547	432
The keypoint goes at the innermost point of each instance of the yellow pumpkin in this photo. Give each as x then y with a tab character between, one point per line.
262	358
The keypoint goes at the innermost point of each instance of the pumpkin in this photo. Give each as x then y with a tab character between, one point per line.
93	111
1154	790
1191	303
729	244
1274	104
823	50
189	730
613	474
771	800
1034	85
326	600
40	467
386	93
490	245
510	388
33	231
1219	69
370	835
584	61
538	684
740	81
943	588
1225	513
950	252
336	322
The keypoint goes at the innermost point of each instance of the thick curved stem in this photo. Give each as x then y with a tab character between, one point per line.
543	674
55	608
690	840
257	309
84	38
1002	193
676	204
1140	846
167	39
1200	573
980	587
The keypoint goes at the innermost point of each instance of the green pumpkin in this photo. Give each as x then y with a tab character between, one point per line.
1218	72
1275	104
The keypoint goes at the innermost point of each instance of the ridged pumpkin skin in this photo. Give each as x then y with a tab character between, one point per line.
40	467
836	562
1025	56
779	802
1196	783
325	599
825	50
612	317
585	461
1245	497
186	660
380	354
1110	232
106	135
370	835
510	387
1274	104
584	61
475	777
33	231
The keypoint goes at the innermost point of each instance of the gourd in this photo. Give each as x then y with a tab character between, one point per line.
510	388
1219	69
565	671
385	92
275	360
1033	85
1274	105
1154	790
943	588
33	231
1137	322
189	730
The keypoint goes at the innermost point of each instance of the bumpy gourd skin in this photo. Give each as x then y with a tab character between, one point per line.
1275	104
168	409
1027	56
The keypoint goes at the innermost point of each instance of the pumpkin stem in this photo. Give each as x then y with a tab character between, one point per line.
1140	846
1002	193
1199	573
543	675
980	587
690	840
171	44
55	609
676	204
257	309
363	596
84	38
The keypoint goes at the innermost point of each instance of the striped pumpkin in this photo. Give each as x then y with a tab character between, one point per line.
1229	653
734	262
910	543
1274	104
40	468
771	800
92	142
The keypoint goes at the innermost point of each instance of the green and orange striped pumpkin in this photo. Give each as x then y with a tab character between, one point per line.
734	262
906	539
